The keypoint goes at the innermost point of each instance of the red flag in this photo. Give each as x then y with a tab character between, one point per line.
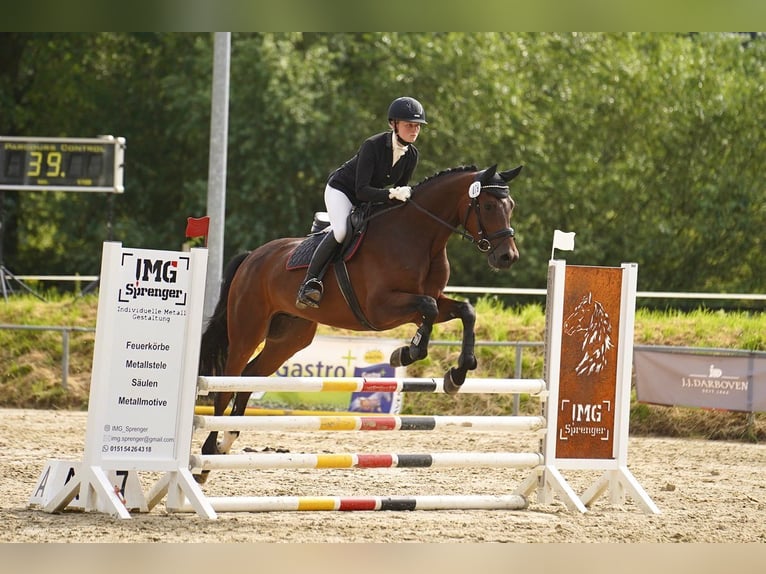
197	226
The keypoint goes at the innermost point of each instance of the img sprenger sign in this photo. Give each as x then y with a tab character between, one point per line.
589	374
146	311
154	279
142	390
151	284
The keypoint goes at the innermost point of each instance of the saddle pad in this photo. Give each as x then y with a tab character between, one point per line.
301	255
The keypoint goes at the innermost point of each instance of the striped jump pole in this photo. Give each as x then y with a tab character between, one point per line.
348	422
258	461
357	503
371	423
206	385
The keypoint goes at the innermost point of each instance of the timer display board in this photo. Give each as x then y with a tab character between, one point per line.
62	164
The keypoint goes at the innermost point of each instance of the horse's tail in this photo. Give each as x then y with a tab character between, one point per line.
215	340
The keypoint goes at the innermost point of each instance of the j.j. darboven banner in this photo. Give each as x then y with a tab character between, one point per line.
734	383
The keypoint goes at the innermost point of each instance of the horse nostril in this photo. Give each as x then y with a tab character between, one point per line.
503	261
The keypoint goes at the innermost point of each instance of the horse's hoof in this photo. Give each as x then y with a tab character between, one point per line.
201	478
451	384
400	357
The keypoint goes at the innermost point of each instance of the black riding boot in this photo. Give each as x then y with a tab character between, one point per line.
310	292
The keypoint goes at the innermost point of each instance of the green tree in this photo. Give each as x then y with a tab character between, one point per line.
648	146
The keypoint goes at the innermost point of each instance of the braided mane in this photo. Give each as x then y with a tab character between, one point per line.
448	171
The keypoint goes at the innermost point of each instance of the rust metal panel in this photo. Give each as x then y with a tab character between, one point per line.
591	326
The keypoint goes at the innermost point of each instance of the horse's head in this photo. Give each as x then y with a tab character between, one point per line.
589	322
488	216
581	318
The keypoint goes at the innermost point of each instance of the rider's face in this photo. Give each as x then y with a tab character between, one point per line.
408	131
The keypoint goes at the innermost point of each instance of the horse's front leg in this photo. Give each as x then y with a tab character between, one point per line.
418	347
451	309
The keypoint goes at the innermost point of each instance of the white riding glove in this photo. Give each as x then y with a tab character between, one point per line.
401	193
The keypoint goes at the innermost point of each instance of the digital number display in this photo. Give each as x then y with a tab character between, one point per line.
65	164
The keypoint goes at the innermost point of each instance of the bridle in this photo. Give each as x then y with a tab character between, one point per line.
484	242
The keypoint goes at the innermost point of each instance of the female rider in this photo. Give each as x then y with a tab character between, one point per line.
379	172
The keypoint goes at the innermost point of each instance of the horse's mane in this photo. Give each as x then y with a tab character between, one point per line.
447	172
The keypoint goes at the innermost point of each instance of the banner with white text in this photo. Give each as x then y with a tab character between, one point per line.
688	379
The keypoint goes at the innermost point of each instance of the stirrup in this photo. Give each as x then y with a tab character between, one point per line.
310	294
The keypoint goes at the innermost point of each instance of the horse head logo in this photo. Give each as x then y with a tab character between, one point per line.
589	323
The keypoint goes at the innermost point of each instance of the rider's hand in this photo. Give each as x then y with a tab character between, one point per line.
401	193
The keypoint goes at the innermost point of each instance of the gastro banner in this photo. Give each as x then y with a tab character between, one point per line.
338	357
586	411
688	379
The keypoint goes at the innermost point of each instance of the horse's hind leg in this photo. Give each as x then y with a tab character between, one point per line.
210	446
287	335
243	340
235	364
220	402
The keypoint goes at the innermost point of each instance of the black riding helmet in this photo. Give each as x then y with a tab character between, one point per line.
407	109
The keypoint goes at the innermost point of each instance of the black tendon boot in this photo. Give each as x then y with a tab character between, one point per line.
310	292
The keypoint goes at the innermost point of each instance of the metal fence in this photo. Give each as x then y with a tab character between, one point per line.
65	335
519	347
639	294
67	331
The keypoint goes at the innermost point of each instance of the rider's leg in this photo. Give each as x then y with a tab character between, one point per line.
310	292
338	208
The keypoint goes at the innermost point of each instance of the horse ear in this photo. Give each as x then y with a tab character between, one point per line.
511	173
488	174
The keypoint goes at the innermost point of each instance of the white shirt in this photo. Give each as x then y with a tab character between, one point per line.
399	149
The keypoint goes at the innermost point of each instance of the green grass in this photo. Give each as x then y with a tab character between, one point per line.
30	375
31	372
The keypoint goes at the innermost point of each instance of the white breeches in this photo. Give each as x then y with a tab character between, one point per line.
338	208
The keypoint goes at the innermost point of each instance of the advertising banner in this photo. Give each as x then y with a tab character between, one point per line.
688	379
143	387
338	357
141	357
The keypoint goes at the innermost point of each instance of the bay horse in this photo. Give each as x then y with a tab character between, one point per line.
398	276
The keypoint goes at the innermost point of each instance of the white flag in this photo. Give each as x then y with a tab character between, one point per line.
563	240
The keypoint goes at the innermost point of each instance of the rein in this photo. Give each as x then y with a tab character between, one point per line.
484	244
462	233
